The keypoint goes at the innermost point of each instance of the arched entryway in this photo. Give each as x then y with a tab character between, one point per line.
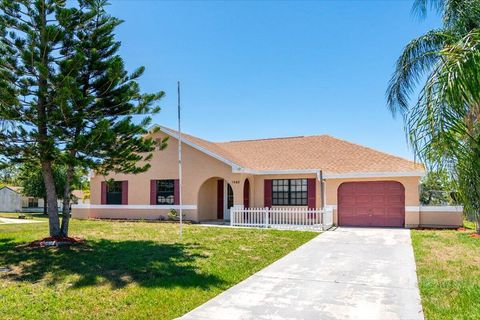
215	198
246	194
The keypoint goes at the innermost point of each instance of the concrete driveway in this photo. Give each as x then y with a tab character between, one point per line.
17	221
350	273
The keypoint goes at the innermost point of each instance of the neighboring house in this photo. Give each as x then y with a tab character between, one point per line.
79	197
365	187
10	200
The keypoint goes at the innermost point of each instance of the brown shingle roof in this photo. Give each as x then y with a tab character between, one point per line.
323	152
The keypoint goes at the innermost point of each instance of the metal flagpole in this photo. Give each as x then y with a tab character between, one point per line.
179	161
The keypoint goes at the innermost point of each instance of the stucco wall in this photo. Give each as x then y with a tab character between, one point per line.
207	200
441	216
198	167
136	214
441	219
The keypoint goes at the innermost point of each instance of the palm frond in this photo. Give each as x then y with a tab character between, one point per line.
443	126
444	121
421	7
417	59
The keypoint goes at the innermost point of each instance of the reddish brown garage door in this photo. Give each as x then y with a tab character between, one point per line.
371	204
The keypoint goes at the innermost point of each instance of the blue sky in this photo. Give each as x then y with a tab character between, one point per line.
271	69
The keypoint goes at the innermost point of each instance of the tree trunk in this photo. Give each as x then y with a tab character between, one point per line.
67	196
45	205
478	223
45	142
52	205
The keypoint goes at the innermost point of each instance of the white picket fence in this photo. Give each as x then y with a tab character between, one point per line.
282	218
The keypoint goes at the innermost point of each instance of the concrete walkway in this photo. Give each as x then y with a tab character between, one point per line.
350	273
17	221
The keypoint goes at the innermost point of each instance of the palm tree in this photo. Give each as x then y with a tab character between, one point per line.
442	123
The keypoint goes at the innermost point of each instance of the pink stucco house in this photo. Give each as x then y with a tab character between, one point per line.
365	187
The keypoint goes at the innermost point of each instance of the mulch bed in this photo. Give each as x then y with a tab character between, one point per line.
461	229
54	242
473	235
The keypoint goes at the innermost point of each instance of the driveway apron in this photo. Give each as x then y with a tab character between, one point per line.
349	273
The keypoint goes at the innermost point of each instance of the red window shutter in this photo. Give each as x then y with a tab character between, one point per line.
311	193
246	194
103	198
176	192
153	192
220	199
267	193
124	192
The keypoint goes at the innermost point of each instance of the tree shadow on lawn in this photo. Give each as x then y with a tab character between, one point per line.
118	263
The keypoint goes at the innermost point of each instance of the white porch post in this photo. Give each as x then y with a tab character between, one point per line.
266	217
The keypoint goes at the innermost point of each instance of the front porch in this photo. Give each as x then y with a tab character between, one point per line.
298	219
217	196
283	218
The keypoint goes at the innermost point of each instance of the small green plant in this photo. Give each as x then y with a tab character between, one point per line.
173	215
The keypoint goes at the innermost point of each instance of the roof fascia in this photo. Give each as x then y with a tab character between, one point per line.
336	175
374	174
270	172
201	149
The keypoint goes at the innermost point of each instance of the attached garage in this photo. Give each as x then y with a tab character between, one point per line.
371	204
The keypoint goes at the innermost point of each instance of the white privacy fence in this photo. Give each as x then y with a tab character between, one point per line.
282	218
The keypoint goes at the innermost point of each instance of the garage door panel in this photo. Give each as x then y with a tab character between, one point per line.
377	221
367	189
362	210
394	222
373	203
349	189
395	211
359	199
354	221
349	211
378	199
395	188
378	188
394	200
347	200
378	211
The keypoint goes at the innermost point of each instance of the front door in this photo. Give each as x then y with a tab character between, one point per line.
228	201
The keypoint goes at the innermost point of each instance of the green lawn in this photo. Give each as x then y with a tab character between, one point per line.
448	269
130	270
